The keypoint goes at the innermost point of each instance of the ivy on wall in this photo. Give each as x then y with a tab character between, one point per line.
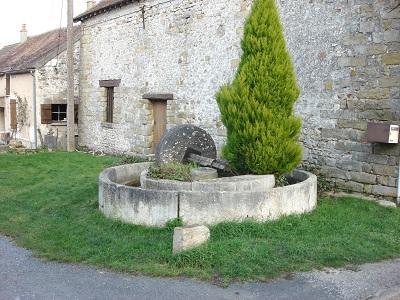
22	112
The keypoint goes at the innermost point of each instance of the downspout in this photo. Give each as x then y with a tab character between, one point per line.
35	145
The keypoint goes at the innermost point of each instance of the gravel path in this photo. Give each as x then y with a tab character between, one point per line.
25	277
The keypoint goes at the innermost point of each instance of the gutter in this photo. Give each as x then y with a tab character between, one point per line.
32	72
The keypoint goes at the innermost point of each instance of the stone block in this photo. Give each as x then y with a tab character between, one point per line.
389	81
386	203
367	26
363	177
349	165
355	39
371	158
386	191
384	170
254	183
350	186
387	149
353	146
342	133
334	173
374	94
391	36
359	61
186	238
198	174
359	125
391	59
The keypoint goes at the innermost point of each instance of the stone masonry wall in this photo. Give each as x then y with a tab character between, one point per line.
51	82
346	55
353	80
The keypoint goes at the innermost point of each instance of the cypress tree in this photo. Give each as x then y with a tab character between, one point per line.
257	108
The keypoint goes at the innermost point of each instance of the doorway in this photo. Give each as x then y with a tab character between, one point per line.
159	122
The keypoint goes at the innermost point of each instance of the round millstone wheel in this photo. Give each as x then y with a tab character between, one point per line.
181	141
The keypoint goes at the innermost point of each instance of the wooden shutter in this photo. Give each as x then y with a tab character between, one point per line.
13	114
45	112
76	109
8	84
110	105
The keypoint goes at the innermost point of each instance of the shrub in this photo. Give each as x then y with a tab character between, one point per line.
171	171
257	107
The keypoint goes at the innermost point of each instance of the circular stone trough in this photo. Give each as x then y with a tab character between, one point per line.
127	194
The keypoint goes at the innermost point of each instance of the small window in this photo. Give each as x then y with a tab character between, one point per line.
59	112
110	105
109	85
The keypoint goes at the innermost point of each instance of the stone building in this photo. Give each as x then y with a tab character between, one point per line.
33	82
149	65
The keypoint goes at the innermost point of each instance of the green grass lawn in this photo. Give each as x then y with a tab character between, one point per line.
48	203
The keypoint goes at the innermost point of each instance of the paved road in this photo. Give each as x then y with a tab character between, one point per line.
25	277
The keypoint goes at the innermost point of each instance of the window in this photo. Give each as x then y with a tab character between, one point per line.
110	85
59	112
110	105
54	113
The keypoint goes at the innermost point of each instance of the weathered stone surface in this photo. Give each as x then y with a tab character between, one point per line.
203	174
350	185
391	59
132	204
217	207
363	177
384	191
245	183
186	238
182	140
386	203
352	63
248	198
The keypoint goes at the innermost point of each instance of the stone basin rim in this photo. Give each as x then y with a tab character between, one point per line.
152	207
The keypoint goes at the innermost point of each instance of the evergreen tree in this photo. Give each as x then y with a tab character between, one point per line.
257	108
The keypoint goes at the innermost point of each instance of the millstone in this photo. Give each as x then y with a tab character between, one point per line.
182	141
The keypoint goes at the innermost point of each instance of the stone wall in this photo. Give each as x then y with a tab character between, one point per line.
346	55
170	52
51	83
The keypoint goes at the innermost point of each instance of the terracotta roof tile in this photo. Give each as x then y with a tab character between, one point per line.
35	52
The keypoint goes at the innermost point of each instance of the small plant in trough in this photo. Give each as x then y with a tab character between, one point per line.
171	171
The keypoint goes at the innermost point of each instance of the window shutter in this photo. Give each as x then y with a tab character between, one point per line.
76	109
46	113
13	114
8	84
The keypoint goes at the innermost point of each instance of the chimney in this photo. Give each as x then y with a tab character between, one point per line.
24	34
90	4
